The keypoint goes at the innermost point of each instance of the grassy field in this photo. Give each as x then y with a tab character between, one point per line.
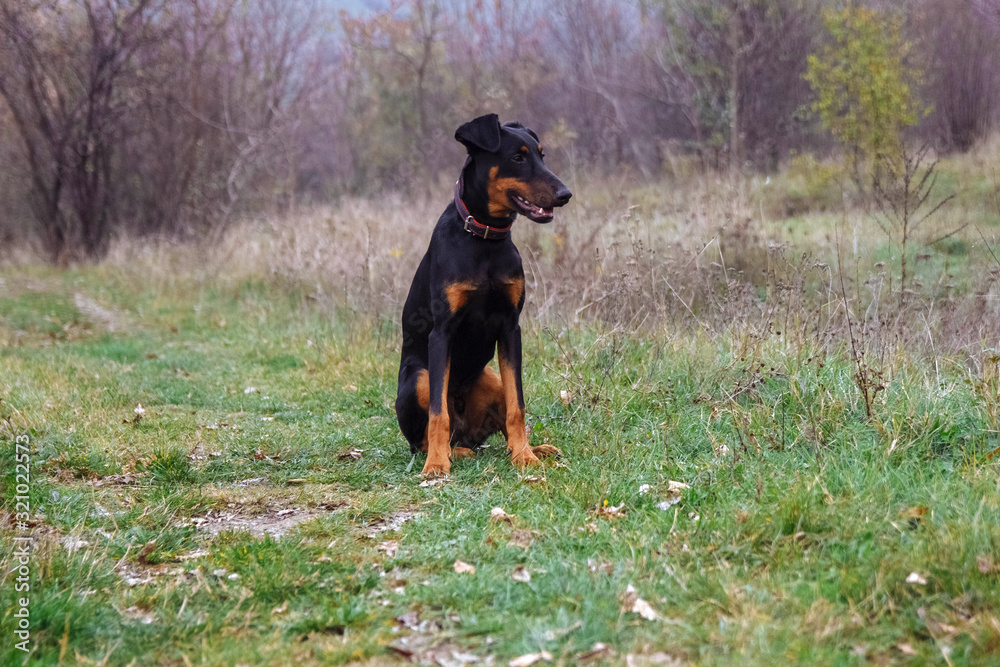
724	496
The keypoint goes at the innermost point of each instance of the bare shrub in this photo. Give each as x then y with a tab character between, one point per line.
66	65
962	55
137	117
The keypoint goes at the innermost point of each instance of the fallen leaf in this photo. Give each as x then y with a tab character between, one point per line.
390	547
521	574
530	658
913	512
939	629
906	649
401	647
599	650
71	544
676	487
497	514
521	538
915	578
353	453
555	633
133	613
667	504
985	564
913	516
464	568
282	609
644	489
644	609
633	660
146	550
631	602
566	397
611	511
139	411
604	567
434	481
410	619
457	657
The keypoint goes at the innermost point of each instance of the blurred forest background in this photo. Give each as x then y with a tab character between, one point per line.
176	117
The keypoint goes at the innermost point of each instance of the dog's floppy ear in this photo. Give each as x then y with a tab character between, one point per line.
483	133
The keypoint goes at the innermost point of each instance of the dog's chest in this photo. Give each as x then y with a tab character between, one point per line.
485	295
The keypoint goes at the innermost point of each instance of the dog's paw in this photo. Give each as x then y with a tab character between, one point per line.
461	453
546	451
436	468
525	458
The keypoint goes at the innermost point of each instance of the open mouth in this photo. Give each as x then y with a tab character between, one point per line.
529	210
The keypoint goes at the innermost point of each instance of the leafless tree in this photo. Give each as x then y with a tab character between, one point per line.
735	68
961	53
139	117
67	65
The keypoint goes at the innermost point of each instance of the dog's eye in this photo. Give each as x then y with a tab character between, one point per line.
518	157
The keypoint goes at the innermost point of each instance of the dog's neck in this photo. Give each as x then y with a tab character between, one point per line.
472	203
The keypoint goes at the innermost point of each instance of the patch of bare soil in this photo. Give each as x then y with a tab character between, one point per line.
14	286
110	320
275	523
389	523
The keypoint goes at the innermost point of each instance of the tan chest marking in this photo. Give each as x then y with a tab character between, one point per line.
458	294
515	290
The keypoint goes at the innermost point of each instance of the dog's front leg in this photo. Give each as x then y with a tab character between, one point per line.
438	425
509	354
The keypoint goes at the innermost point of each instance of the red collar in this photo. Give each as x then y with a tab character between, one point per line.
472	225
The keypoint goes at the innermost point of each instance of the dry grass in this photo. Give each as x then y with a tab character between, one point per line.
694	252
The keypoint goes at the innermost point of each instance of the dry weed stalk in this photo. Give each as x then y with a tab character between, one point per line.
902	189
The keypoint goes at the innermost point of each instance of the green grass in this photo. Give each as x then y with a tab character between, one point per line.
793	543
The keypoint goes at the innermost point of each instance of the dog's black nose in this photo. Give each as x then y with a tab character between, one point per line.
562	196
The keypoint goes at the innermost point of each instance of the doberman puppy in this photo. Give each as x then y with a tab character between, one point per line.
465	301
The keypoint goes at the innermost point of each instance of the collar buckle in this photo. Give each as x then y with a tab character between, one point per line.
472	225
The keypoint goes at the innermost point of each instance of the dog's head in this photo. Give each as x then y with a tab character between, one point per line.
510	161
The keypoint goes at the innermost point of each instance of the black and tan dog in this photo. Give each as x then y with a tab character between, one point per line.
466	299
